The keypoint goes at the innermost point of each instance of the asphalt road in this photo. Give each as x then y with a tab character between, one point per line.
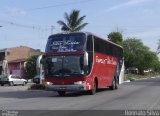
137	95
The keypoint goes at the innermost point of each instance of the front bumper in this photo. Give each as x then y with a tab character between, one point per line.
79	87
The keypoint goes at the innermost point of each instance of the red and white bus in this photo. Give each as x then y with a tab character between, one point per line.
81	62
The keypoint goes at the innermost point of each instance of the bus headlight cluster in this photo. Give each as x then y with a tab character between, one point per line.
48	83
79	83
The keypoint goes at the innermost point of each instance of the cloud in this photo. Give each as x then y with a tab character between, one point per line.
148	33
15	11
127	4
149	37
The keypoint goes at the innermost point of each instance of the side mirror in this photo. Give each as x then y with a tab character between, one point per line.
42	61
85	59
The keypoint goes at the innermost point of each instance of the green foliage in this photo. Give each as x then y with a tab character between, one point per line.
30	69
116	37
158	48
73	23
37	87
139	56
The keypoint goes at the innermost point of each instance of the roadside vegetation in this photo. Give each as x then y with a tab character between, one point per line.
73	22
133	77
37	87
138	56
30	69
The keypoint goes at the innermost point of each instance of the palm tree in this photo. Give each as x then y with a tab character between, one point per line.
73	22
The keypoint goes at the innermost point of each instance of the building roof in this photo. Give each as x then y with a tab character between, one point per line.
20	53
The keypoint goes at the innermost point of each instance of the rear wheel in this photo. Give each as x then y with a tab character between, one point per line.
93	91
62	93
114	84
2	84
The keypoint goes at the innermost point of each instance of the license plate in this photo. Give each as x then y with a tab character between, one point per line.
63	88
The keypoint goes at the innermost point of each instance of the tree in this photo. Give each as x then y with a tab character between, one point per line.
139	56
30	69
116	37
73	22
158	48
156	63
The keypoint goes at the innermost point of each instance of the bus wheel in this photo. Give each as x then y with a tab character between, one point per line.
61	93
117	83
114	85
93	91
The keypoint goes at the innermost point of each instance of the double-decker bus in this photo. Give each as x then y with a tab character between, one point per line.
81	61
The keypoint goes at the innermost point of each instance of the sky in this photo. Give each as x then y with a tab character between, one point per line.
29	22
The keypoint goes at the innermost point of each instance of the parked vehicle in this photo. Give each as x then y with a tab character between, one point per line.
36	79
12	80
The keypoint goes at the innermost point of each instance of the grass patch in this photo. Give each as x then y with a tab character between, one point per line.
133	77
37	87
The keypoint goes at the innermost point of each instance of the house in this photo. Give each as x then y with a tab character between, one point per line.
14	59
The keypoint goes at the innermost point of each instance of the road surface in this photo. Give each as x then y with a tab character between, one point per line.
137	95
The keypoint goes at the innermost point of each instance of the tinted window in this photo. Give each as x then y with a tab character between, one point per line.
3	76
17	77
13	77
107	48
66	43
100	46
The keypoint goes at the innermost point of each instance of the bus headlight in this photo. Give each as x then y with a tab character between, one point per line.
48	83
79	83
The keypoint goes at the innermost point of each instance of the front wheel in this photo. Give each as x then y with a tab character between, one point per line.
2	84
61	93
93	91
11	83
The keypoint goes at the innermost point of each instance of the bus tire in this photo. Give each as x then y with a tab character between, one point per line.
93	91
61	93
114	84
117	83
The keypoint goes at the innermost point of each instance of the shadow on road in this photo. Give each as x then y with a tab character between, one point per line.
41	94
82	93
145	82
25	94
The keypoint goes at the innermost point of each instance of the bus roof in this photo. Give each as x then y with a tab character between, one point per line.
87	33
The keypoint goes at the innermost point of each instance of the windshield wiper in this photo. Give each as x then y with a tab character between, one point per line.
57	75
66	75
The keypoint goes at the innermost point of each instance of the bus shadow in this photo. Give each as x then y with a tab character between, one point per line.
82	93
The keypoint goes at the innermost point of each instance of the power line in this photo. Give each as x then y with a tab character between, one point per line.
25	26
59	5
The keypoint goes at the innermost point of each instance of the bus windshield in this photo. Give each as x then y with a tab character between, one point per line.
66	43
64	66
